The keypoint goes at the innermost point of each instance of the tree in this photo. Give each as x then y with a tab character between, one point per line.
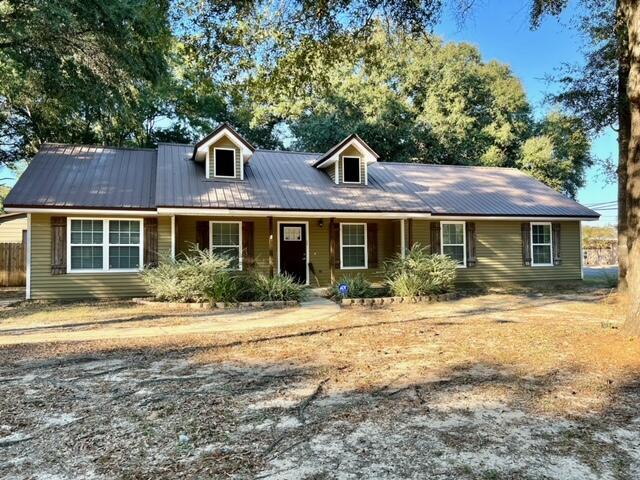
73	70
596	92
558	153
419	99
627	15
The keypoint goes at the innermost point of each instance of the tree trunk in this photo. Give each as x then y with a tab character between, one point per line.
631	11
624	127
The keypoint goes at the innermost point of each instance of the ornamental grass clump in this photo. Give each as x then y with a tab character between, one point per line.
357	286
280	287
420	273
200	276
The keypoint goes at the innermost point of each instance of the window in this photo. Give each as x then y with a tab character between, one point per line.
226	241
452	239
541	254
224	162
86	245
351	169
100	245
124	244
353	245
292	234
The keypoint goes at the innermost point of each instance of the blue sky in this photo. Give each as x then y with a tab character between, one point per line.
502	33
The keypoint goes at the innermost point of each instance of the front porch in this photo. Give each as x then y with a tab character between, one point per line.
316	250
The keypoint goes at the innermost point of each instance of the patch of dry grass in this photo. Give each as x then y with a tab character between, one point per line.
491	385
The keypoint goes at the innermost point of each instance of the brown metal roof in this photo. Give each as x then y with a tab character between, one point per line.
87	177
97	177
276	180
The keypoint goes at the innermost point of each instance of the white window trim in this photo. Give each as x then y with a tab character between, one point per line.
306	235
359	168
464	241
227	246
235	161
550	264
366	248
105	246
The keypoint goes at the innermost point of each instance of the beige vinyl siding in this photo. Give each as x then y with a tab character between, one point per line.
82	285
11	229
420	233
224	142
186	236
318	243
388	245
352	151
499	253
331	171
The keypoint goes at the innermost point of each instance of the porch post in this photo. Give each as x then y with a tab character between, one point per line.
27	246
332	252
173	237
403	244
271	259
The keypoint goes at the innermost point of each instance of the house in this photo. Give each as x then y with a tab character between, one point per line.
96	215
13	227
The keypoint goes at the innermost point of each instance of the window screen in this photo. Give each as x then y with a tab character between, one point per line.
91	242
541	244
226	241
453	243
354	246
124	244
86	244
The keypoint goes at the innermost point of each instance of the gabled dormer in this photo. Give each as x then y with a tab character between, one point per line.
224	153
347	162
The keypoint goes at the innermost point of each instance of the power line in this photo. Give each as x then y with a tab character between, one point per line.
602	204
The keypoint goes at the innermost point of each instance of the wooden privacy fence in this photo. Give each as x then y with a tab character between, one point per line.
12	265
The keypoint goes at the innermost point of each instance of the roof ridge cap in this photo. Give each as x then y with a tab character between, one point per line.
489	167
60	144
190	145
296	152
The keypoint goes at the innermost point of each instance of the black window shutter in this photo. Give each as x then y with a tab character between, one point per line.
435	238
470	229
150	242
58	245
202	235
555	241
248	258
372	244
335	240
525	229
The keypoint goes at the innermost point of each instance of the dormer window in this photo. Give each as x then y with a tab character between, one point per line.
348	162
224	163
224	153
351	169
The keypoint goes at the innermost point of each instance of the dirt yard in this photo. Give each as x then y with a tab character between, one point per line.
490	387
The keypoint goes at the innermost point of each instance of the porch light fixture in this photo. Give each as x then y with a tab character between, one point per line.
321	223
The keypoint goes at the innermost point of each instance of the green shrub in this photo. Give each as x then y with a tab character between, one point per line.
279	287
420	273
359	287
197	277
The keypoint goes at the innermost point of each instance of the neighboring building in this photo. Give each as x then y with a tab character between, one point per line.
97	215
13	227
600	251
